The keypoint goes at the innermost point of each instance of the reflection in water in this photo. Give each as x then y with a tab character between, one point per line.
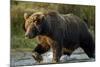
26	59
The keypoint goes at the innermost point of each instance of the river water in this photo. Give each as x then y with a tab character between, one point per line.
24	58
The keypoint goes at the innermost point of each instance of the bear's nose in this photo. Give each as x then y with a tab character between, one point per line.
26	35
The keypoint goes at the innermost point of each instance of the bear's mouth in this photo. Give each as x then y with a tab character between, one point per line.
30	36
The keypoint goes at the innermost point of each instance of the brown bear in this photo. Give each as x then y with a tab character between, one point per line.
67	31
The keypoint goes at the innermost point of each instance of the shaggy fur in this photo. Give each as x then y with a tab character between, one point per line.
67	31
44	45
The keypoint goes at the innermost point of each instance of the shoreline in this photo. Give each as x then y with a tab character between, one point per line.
20	49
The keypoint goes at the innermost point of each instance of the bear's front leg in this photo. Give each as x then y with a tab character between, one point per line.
57	52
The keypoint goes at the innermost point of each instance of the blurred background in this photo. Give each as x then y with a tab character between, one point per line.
18	8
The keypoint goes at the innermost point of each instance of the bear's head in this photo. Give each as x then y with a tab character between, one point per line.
33	24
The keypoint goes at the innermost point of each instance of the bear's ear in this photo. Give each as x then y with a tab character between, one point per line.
26	16
41	16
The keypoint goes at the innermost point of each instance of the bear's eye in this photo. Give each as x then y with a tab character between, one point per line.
37	22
